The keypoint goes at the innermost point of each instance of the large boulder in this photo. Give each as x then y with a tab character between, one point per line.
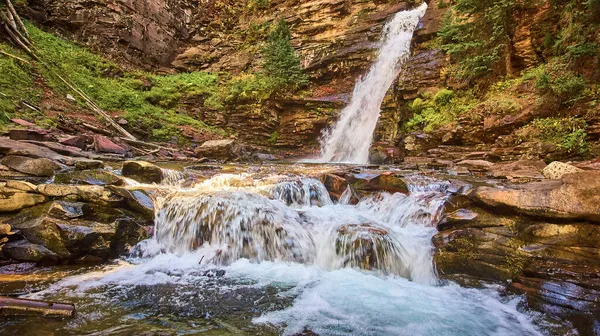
223	150
574	196
373	182
36	167
142	171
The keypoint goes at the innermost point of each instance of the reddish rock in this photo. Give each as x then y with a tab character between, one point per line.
104	145
30	134
518	169
79	141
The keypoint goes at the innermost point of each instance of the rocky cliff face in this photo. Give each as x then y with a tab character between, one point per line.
336	39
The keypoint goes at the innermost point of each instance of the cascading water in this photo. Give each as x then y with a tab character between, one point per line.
350	139
293	260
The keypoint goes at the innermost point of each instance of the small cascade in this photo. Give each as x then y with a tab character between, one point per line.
295	220
301	192
235	224
350	139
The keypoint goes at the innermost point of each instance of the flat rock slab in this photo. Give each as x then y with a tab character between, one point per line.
574	196
41	167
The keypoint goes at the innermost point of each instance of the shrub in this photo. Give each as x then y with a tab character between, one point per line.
568	133
281	62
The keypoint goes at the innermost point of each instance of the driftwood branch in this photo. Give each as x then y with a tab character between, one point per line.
11	10
13	56
12	306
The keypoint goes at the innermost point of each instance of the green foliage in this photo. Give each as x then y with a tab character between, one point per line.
477	33
249	88
281	62
556	82
442	108
501	105
568	133
255	5
274	137
147	100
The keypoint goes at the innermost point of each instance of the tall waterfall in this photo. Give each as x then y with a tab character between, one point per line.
350	139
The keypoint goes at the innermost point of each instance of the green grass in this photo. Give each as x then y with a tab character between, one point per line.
567	133
16	85
148	101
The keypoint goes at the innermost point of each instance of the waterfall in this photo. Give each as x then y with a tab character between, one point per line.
296	221
350	139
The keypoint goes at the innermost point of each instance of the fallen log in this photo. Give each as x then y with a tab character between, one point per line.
13	306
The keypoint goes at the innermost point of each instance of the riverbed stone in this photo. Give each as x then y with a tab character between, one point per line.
22	250
19	200
36	167
97	177
142	171
83	164
223	150
21	185
39	228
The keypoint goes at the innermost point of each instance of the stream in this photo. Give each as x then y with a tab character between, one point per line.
249	253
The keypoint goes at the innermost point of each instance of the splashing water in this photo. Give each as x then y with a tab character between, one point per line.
292	260
350	139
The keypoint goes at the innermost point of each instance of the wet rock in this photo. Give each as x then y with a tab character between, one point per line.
39	228
529	169
23	250
18	201
266	157
88	164
105	145
57	190
556	170
87	237
575	196
21	185
385	155
66	210
224	150
336	185
36	167
142	171
138	199
369	247
457	217
98	177
386	181
128	234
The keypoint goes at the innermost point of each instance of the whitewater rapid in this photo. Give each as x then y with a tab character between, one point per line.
276	242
